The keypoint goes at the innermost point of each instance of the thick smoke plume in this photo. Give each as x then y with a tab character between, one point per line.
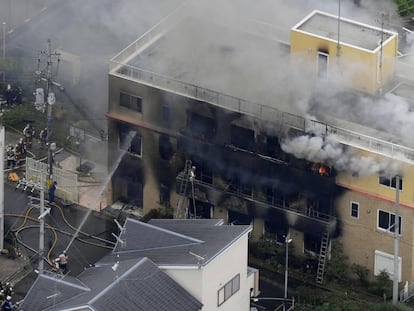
328	151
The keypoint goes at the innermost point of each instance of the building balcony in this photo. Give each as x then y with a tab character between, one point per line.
297	213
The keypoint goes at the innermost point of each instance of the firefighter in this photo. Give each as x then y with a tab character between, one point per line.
20	150
52	190
43	137
11	156
7	304
62	262
28	133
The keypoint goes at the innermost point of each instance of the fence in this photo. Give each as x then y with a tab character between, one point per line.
67	182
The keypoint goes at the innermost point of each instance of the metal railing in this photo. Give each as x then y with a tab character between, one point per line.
119	67
407	293
270	114
67	182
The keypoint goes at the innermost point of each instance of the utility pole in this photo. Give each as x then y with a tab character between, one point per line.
50	99
4	49
40	186
2	143
396	274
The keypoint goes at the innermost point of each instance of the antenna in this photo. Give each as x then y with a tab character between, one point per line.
122	229
122	242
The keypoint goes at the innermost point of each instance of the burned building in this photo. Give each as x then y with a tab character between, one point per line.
208	138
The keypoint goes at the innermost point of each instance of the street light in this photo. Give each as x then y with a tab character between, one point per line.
287	241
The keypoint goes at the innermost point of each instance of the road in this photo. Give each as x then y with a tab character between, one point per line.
81	255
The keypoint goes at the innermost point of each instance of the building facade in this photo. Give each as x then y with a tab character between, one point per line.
200	146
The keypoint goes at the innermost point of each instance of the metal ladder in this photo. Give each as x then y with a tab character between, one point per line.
322	257
180	211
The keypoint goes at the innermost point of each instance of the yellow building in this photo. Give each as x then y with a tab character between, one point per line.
356	55
181	110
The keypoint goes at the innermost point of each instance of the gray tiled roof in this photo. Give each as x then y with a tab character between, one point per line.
48	290
135	285
212	239
140	231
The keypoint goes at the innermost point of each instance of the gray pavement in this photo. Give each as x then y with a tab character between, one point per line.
84	251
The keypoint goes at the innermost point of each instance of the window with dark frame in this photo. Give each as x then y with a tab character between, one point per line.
130	101
354	209
228	290
389	181
386	221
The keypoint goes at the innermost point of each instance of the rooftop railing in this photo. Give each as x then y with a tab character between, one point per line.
119	67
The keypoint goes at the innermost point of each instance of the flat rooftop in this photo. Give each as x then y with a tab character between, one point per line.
218	58
248	71
352	33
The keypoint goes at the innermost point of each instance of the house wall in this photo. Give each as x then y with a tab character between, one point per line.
190	279
205	283
354	68
361	236
221	270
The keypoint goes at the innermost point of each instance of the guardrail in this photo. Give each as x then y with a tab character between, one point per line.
119	67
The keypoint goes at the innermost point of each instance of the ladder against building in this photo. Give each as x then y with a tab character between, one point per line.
322	257
183	180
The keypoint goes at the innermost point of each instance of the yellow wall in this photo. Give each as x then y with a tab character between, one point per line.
354	68
370	185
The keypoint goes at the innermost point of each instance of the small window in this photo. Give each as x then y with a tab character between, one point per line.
323	60
130	102
228	290
354	209
389	181
386	221
221	296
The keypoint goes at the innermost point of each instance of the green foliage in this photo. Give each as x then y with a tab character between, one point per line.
309	296
389	307
10	64
405	7
382	285
362	273
337	268
22	114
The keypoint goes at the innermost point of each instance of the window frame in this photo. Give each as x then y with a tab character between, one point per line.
389	229
322	75
132	104
390	182
354	203
228	290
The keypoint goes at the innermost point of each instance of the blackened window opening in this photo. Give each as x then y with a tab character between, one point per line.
243	138
202	127
129	139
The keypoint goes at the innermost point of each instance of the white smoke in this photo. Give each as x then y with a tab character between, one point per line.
329	151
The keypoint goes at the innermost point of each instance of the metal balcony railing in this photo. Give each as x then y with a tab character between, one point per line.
119	67
279	205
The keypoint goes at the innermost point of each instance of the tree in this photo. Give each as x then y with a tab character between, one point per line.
337	268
